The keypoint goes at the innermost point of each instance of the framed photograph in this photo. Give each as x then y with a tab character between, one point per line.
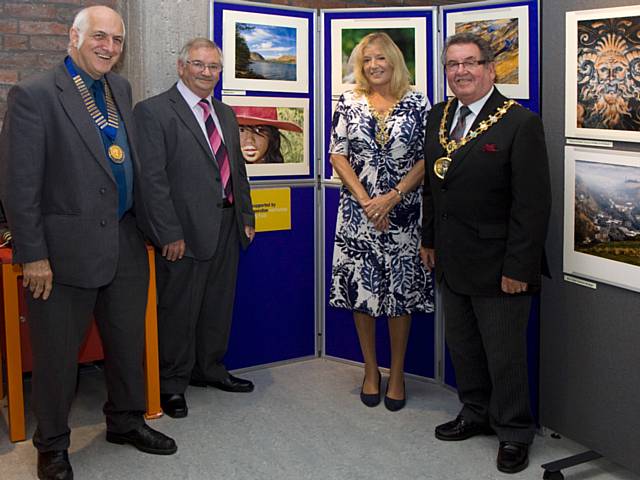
274	134
602	215
265	52
507	31
410	34
603	74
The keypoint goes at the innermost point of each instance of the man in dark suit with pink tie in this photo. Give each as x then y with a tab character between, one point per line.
199	216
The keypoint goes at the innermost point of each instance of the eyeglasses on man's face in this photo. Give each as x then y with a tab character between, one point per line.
466	65
201	66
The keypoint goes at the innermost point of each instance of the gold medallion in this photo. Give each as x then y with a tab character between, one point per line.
116	154
441	166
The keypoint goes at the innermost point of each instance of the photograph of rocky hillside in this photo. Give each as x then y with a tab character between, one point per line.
607	211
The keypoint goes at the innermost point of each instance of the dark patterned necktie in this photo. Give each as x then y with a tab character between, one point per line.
219	150
458	131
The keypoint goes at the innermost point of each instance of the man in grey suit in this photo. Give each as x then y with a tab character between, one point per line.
199	215
486	207
67	174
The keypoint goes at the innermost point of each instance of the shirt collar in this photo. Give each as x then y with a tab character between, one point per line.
191	98
86	78
476	106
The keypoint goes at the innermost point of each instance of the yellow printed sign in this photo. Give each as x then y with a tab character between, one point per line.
272	207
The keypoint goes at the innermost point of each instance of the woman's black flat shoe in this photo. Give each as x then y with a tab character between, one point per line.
392	404
371	399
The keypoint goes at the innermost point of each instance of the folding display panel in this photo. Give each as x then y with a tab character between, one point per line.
268	79
270	64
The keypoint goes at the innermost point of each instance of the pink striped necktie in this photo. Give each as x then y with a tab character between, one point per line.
219	150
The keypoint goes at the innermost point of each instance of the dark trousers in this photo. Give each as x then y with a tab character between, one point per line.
58	327
487	339
195	308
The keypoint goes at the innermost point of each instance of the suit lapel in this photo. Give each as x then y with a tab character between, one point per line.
77	111
185	114
493	102
452	113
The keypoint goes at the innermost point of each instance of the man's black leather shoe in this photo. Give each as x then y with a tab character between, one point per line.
513	457
229	384
54	465
145	439
461	429
174	405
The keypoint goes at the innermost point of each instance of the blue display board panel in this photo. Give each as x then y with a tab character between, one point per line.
356	14
309	16
533	102
341	339
274	315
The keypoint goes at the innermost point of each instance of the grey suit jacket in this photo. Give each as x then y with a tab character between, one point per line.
181	179
56	184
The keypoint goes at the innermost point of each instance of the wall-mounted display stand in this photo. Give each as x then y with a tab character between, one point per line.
270	63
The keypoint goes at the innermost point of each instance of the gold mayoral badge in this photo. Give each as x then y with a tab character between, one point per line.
116	154
442	164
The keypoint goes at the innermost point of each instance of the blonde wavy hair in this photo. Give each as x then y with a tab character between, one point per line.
400	77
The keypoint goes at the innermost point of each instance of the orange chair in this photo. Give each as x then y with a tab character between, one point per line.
13	354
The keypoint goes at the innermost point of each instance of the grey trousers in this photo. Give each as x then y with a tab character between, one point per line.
195	309
58	327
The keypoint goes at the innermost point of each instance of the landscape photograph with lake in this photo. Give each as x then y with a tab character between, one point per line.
265	52
607	211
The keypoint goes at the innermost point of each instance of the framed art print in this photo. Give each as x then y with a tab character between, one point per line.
274	134
603	74
408	33
265	52
507	31
602	215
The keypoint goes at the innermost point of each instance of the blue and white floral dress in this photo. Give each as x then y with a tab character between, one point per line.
380	273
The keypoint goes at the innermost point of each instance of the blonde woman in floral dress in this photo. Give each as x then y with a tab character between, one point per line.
377	150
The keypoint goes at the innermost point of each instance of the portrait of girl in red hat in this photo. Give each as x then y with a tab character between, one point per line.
261	138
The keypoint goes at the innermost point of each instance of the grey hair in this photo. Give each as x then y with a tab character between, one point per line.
466	38
81	24
198	42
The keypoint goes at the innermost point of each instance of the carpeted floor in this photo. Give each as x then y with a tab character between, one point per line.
303	421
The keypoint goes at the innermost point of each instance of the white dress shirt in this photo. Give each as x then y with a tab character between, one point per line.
192	100
475	108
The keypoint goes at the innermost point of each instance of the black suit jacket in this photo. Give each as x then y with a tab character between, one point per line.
488	217
56	184
181	179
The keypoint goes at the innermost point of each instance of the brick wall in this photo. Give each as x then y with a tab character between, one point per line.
33	38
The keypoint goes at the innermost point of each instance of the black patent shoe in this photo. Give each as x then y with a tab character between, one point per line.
461	429
371	399
54	465
145	439
392	404
174	405
228	384
513	457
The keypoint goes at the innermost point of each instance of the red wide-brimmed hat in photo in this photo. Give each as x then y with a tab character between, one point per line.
263	116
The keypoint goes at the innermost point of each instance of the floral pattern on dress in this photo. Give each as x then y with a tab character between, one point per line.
380	273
